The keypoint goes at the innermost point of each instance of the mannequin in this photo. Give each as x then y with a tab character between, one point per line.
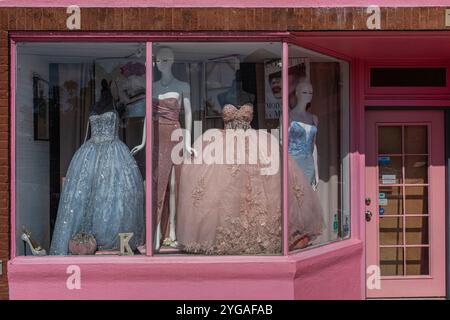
301	120
169	87
105	103
236	94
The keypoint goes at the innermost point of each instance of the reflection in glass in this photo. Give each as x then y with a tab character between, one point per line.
416	139
390	140
417	261
416	169
391	231
416	230
391	261
416	200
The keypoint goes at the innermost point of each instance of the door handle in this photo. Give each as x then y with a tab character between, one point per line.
368	215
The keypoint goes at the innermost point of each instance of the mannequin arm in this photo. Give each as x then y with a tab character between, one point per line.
144	135
315	156
188	124
316	168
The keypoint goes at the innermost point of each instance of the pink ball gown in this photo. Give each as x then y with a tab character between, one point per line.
234	208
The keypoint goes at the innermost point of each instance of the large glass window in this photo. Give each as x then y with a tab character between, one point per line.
80	156
216	152
216	182
318	149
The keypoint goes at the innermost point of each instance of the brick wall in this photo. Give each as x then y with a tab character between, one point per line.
179	19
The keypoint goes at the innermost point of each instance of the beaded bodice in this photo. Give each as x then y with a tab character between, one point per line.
235	118
104	127
301	138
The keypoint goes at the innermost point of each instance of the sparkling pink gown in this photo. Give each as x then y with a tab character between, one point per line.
165	121
235	208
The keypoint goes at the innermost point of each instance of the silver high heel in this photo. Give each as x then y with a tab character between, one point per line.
35	248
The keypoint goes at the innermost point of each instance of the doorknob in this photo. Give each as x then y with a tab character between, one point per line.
368	215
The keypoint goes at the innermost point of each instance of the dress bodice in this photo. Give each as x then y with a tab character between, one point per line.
166	110
235	118
301	138
104	127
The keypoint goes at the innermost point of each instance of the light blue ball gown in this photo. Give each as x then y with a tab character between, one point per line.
301	147
103	192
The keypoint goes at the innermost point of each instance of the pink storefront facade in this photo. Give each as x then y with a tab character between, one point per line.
393	94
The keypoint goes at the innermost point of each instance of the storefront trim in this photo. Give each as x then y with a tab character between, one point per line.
218	3
326	273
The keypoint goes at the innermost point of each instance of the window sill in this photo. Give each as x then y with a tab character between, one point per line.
142	259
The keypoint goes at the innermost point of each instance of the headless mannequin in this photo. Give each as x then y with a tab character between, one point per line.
168	83
105	103
304	92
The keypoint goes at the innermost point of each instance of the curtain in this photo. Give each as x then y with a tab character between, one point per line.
76	98
325	104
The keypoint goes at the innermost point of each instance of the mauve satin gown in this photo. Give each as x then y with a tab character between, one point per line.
166	114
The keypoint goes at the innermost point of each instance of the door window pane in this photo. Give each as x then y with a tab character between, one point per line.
417	261
416	139
391	231
390	200
416	169
390	169
391	261
390	140
416	230
416	200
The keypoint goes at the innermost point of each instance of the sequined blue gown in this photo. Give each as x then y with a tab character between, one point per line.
301	147
103	192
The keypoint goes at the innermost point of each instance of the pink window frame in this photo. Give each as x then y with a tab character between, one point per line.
285	38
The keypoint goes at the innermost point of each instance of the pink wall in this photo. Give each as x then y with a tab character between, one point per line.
329	272
334	274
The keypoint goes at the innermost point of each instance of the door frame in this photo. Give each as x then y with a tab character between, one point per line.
437	263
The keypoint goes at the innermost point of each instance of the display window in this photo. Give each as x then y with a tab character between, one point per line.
318	136
80	111
235	148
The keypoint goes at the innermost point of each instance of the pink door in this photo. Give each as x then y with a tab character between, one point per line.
405	203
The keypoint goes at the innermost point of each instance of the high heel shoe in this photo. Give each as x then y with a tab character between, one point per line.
35	248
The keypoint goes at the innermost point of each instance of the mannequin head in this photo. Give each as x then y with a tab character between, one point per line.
304	92
164	60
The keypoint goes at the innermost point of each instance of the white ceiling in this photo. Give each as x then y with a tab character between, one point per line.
184	51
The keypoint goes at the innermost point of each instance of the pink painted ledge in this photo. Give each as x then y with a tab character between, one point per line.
218	3
234	277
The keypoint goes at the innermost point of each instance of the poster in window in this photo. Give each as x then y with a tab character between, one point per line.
274	84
